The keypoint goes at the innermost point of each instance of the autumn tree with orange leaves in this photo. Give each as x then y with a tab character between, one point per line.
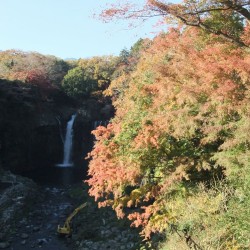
175	158
32	68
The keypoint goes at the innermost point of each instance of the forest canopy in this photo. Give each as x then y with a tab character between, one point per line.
32	67
77	78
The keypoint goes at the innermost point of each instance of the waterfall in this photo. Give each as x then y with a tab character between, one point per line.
68	143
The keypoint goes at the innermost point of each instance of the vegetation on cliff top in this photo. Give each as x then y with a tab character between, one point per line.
79	79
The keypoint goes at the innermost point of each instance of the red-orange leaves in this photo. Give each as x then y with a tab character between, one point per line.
106	170
103	132
246	34
182	103
147	137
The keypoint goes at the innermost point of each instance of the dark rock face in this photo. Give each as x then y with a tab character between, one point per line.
29	126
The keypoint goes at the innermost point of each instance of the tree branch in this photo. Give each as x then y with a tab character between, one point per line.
239	8
183	16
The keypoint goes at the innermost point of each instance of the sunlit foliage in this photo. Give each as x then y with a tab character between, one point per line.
77	83
176	156
32	68
207	15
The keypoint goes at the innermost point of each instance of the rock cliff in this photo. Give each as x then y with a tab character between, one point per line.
32	121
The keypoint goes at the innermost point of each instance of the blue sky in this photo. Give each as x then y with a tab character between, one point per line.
65	28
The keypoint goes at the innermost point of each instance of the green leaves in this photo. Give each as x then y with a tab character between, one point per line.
77	84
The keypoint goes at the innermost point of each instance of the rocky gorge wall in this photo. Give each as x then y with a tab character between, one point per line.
31	122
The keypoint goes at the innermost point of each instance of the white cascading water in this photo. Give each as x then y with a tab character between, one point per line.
68	143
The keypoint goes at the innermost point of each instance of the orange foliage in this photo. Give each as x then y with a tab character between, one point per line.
179	106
